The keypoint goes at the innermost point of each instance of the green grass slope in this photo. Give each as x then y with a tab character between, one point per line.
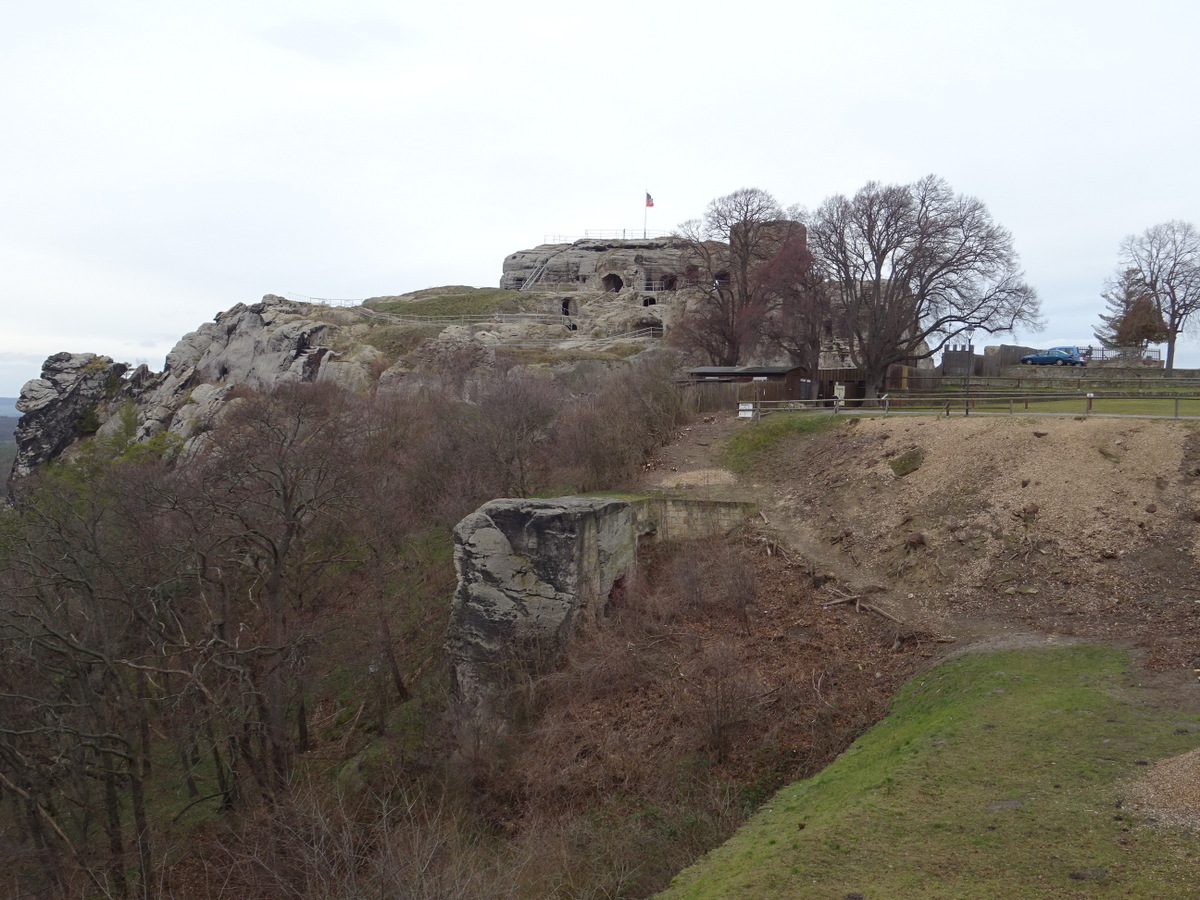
451	301
997	775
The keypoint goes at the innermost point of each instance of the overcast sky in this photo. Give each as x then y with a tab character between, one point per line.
161	161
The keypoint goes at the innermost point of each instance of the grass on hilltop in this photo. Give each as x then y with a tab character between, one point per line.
461	302
749	444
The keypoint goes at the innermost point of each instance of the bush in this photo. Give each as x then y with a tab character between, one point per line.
607	434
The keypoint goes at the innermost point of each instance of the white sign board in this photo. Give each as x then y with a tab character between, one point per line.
745	410
839	391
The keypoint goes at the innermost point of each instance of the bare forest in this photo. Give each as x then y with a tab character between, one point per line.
223	675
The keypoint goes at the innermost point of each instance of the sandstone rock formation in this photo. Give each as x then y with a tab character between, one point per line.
597	265
78	394
62	405
532	572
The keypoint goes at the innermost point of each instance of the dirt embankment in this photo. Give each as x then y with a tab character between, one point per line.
990	530
1080	527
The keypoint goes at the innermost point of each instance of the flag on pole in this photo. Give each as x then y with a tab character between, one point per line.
649	200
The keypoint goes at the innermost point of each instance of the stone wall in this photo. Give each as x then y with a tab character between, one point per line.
673	519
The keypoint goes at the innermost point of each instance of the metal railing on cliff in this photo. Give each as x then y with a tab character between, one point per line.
322	301
607	234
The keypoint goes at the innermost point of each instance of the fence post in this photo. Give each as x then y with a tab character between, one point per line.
1010	406
1177	406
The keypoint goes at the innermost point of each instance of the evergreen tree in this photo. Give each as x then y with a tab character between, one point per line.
1133	320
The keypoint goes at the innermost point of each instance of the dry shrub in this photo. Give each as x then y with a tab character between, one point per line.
722	696
511	431
319	846
714	575
626	848
606	434
625	652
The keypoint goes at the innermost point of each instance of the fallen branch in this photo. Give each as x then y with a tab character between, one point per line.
875	609
854	599
816	683
859	606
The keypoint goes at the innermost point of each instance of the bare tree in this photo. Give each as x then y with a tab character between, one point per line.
914	266
511	430
279	488
725	261
1166	260
799	320
81	623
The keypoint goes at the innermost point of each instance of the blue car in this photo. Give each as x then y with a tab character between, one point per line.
1055	356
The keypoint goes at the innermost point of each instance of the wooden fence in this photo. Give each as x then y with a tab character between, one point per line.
724	396
1067	403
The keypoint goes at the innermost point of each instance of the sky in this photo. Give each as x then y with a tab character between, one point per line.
162	161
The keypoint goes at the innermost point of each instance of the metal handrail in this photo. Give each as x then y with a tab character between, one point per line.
606	234
577	342
463	319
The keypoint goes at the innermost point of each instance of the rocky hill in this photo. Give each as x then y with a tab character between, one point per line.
383	343
725	669
881	545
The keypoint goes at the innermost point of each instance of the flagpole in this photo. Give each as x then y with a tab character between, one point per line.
645	217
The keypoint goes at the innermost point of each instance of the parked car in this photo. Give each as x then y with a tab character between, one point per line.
1055	356
1084	353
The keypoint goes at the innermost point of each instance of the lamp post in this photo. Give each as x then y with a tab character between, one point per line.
970	365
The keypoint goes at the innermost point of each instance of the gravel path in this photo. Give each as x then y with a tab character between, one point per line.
1170	792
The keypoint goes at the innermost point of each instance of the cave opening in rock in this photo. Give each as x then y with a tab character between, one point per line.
612	282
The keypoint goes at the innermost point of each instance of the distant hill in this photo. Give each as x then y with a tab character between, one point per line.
8	407
8	424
